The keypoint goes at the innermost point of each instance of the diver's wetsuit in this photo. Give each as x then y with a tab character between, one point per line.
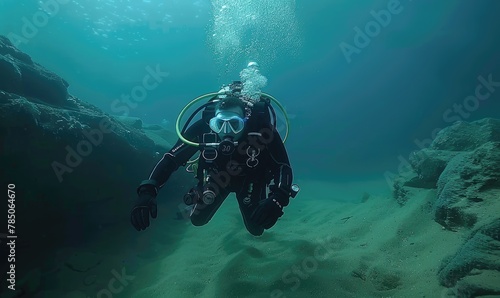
256	161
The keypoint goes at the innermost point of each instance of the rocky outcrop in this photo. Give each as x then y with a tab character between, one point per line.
22	76
428	165
404	188
469	183
74	167
474	270
467	136
162	138
134	122
463	165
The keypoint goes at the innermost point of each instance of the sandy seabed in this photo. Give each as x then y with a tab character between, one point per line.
324	246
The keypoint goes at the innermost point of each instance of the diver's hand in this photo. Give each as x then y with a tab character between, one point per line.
146	205
267	212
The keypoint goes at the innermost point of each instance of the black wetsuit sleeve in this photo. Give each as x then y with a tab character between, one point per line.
174	158
281	171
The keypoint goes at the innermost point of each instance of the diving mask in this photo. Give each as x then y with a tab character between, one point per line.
227	123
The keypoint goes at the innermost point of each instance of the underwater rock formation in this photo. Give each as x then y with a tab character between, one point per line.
22	76
474	270
465	136
469	183
74	167
134	122
463	165
466	179
428	165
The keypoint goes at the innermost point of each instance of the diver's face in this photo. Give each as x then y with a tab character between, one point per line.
228	123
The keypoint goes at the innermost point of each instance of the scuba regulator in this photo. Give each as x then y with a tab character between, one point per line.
211	146
196	194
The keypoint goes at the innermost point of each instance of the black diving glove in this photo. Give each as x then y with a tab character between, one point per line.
267	212
146	205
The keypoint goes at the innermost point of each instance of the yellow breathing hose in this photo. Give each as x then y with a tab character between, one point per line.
194	101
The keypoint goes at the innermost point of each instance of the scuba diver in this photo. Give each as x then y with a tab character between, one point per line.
241	151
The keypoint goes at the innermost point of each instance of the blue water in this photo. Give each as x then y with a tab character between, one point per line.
351	115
